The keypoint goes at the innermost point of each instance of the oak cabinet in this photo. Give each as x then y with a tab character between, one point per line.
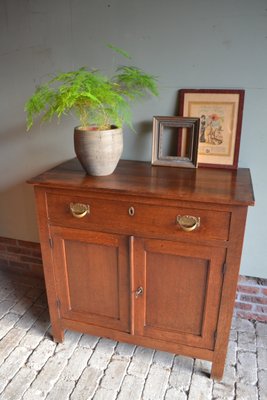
148	255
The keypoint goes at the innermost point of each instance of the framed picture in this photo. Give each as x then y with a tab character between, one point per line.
220	113
175	141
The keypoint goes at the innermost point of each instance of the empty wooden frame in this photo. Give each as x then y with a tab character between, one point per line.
175	141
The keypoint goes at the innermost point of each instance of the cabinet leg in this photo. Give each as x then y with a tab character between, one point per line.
58	334
217	370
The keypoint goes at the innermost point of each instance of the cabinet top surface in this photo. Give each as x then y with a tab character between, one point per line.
222	186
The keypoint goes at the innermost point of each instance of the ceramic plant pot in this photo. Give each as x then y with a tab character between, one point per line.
98	151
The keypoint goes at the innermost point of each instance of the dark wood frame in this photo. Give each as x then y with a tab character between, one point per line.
240	104
159	122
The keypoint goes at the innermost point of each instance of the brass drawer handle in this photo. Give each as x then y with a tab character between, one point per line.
79	210
188	222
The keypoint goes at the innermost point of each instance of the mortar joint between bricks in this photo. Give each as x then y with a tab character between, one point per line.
146	377
104	370
169	386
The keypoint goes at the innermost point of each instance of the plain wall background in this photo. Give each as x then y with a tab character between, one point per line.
186	43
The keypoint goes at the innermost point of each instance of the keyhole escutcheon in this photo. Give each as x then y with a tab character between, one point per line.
139	292
131	211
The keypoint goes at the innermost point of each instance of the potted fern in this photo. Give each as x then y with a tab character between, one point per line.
102	106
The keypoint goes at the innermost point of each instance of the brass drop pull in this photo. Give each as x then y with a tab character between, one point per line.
139	292
79	210
131	211
188	222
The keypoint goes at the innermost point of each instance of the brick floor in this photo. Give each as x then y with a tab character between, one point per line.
33	367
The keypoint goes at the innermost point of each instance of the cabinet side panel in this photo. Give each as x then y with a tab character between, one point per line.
234	252
47	256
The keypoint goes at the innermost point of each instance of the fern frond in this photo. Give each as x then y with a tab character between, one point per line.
135	82
119	51
94	98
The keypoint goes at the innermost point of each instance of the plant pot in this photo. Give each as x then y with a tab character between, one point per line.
98	151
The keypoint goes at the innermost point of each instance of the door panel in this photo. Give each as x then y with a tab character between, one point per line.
181	291
179	275
92	277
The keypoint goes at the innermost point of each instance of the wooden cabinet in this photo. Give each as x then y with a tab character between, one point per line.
148	255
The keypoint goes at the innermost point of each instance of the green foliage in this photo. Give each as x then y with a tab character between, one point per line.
119	51
94	98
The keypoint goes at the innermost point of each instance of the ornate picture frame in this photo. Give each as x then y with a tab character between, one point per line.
185	147
220	113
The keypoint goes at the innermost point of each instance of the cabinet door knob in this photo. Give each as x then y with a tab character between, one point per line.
139	291
188	222
79	210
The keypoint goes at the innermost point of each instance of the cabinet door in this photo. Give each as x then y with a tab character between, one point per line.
92	277
176	291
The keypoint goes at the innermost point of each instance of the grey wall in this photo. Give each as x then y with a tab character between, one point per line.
186	43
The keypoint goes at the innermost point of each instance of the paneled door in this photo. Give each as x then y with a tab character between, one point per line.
92	277
176	291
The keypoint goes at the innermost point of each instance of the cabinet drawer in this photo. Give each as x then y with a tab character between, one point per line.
134	218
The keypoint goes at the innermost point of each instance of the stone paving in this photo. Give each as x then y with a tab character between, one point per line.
33	367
